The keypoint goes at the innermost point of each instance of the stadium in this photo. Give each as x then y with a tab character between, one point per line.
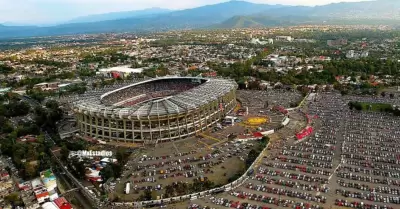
155	110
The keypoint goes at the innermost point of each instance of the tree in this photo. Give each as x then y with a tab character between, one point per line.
169	191
80	168
12	198
383	94
6	126
122	155
355	105
264	141
147	195
107	172
45	161
48	117
64	152
4	69
251	157
30	170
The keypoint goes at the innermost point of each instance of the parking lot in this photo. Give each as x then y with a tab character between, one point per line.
351	160
211	155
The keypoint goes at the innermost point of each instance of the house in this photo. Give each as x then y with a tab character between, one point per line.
48	179
4	90
24	186
62	203
41	195
27	138
49	205
47	86
4	175
6	187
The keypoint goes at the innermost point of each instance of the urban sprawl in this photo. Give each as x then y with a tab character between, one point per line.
304	117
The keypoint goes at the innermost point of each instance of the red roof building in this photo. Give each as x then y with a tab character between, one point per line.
62	203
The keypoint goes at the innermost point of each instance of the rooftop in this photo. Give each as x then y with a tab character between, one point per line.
90	103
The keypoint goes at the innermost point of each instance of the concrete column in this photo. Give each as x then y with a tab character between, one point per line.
109	128
151	130
169	127
133	129
102	127
194	126
124	125
81	122
97	126
200	119
159	127
141	130
91	125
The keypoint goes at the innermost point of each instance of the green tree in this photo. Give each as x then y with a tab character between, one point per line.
107	172
251	157
30	170
12	198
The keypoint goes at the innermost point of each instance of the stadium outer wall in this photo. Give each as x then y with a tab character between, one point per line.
159	128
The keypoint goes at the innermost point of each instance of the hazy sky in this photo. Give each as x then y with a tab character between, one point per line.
51	11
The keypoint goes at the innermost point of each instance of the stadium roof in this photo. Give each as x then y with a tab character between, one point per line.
90	102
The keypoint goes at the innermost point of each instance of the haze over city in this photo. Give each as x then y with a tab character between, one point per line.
32	12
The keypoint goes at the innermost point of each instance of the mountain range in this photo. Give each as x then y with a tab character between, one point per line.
120	15
232	14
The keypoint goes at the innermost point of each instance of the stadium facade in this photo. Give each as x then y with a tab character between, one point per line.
155	110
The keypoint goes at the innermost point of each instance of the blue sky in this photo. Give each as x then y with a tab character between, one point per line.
56	11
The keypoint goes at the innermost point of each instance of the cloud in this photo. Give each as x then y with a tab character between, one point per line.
51	11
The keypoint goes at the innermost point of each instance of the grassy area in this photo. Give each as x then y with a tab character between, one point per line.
374	107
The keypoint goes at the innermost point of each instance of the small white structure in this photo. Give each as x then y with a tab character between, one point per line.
231	118
124	70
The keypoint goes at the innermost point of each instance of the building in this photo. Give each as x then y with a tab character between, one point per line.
257	41
121	71
62	203
350	54
47	86
40	192
155	110
49	205
24	186
4	90
284	38
48	179
364	54
6	187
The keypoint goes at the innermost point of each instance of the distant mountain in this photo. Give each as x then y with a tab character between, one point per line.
257	21
216	13
120	15
378	9
12	29
15	24
366	12
239	22
183	19
233	14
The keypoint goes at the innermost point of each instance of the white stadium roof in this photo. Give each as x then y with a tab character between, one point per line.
90	102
